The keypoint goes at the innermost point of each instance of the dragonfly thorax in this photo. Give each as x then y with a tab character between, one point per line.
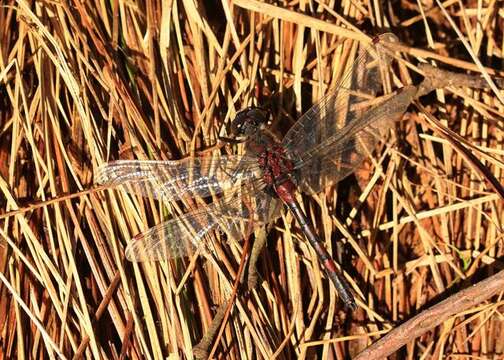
275	165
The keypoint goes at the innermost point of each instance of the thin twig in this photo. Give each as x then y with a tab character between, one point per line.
435	315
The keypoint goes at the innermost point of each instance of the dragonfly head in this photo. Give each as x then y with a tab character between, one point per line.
249	121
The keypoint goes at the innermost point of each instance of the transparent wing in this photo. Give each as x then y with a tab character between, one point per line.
340	155
334	136
171	180
236	215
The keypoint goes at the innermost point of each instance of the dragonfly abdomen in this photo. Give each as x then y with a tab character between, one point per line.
325	259
285	191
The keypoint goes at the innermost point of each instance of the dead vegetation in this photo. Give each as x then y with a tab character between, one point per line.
86	82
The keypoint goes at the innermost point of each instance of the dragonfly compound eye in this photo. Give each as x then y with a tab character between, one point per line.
248	121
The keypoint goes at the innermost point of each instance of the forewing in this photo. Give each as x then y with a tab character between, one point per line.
171	180
237	216
338	156
334	136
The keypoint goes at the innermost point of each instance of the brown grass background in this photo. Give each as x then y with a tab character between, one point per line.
82	82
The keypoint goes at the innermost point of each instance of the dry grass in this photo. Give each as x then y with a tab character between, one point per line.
84	82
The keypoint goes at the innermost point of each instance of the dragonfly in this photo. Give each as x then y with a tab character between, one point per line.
326	144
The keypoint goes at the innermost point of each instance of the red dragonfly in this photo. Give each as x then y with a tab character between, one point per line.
325	145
